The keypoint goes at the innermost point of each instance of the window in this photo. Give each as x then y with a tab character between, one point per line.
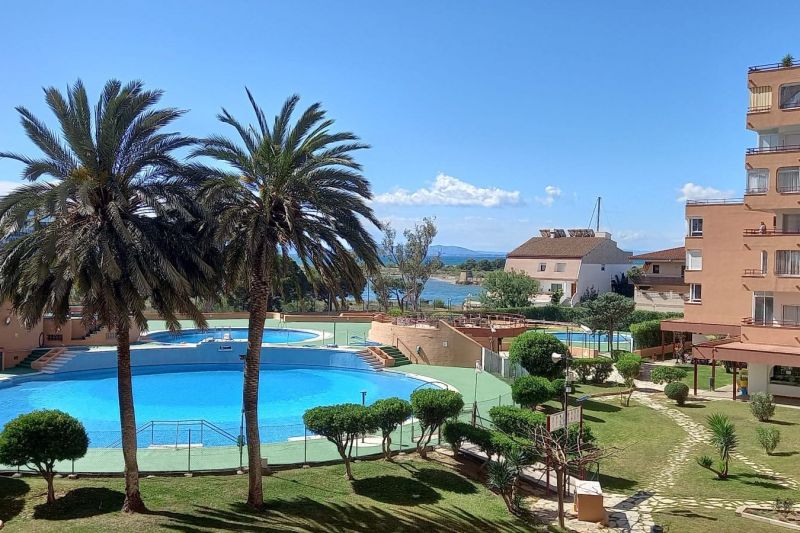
787	262
791	224
556	287
542	267
760	99
763	305
785	375
695	295
561	267
767	140
757	180
791	315
694	259
695	227
790	96
789	179
656	269
764	261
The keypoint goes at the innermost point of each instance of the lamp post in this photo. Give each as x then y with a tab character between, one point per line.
557	357
478	370
363	403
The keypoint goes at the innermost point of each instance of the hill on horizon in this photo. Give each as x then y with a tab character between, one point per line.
460	251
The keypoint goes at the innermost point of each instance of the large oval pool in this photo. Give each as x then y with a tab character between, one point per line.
271	335
213	393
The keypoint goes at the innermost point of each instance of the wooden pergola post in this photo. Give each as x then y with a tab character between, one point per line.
734	380
695	375
713	370
662	344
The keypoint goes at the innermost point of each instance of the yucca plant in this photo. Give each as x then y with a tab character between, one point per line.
285	188
724	439
108	217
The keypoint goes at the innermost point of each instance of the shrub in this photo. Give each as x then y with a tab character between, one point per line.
508	444
596	370
783	505
667	374
533	351
388	414
455	434
602	370
762	405
530	391
438	302
629	366
677	391
768	438
341	424
646	334
587	437
558	386
433	407
515	421
725	440
583	368
40	439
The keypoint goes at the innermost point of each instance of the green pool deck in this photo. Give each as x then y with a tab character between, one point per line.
491	391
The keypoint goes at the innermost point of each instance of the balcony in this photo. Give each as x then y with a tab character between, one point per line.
773	332
768	232
771	103
754	273
755	279
773	149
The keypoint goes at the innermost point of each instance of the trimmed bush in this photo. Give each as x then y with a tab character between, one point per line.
454	433
762	405
667	374
646	334
629	367
602	370
768	438
515	421
533	351
596	369
432	407
677	391
530	391
40	439
388	414
341	424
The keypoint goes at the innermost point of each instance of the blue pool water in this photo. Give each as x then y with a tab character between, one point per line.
208	392
271	335
591	338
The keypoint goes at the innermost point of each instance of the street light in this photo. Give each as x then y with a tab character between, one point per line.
557	357
478	370
363	403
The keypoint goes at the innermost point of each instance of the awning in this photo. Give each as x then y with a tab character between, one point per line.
746	352
704	328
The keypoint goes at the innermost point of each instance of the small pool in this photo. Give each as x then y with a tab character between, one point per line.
271	335
587	339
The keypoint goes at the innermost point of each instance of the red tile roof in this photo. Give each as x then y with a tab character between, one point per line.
671	254
562	247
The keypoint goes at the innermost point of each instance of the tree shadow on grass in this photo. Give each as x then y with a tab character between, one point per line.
756	480
307	515
617	483
81	503
600	407
780	422
783	454
395	490
444	480
12	497
688	513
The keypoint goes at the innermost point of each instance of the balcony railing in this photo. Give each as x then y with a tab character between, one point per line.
754	273
759	109
771	66
756	190
715	201
768	232
772	323
788	188
773	149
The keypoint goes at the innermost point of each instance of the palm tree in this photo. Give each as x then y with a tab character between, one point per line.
109	218
724	439
290	188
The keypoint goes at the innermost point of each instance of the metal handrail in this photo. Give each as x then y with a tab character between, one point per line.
754	273
713	201
750	321
151	425
759	109
771	66
757	190
773	149
756	232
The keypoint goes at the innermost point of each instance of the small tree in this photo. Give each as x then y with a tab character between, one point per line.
41	438
387	415
559	386
433	407
607	312
555	298
533	351
507	289
530	391
455	433
724	439
515	421
629	366
341	424
677	391
667	374
768	438
762	405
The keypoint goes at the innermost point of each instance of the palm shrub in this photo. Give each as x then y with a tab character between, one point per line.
768	438
503	477
677	391
433	407
41	438
293	187
725	440
530	391
667	374
762	405
108	219
388	414
341	424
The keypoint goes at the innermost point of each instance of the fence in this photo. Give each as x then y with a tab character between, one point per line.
495	363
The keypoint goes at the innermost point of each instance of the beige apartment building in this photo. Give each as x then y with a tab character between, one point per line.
661	287
743	256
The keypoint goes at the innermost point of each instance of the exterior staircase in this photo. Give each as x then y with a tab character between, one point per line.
33	356
371	359
397	355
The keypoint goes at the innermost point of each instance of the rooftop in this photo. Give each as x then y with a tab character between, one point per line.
670	254
557	247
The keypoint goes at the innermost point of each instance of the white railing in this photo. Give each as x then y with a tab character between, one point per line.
495	363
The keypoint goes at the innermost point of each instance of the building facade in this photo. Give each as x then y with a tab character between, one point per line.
743	256
661	287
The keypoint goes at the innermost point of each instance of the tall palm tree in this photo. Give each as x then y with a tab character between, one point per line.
287	188
108	217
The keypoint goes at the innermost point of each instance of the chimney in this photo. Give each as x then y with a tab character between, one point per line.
603	234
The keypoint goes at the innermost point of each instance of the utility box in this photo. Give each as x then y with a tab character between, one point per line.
589	501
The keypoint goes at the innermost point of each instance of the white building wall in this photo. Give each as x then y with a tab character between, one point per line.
593	275
758	381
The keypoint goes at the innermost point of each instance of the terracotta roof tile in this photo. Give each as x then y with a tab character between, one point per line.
561	247
671	254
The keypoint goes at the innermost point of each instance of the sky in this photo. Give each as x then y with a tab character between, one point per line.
497	118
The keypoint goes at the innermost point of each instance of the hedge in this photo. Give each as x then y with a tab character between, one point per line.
560	313
646	334
596	370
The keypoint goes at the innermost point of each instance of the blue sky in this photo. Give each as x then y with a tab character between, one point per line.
498	118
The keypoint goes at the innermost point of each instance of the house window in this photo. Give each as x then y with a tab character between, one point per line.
764	261
542	267
556	287
602	268
785	375
694	259
695	227
789	179
790	96
787	262
561	267
791	315
763	305
695	295
757	180
760	99
656	269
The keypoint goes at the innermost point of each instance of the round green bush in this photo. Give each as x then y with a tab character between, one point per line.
434	406
533	351
530	391
515	421
667	374
762	405
677	391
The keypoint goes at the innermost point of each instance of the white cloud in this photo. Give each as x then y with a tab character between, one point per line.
7	186
447	190
692	191
551	193
627	235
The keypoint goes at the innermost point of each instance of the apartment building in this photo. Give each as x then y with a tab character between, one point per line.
661	286
743	256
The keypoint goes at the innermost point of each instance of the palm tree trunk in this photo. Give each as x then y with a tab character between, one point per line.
259	293
133	499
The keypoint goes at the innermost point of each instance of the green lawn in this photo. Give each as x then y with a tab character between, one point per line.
721	377
411	495
693	520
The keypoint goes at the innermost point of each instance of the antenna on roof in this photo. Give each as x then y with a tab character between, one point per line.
595	210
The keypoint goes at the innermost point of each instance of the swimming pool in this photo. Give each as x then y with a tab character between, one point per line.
271	335
209	392
588	339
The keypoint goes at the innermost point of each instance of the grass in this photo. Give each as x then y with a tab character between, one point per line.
695	520
721	377
411	495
